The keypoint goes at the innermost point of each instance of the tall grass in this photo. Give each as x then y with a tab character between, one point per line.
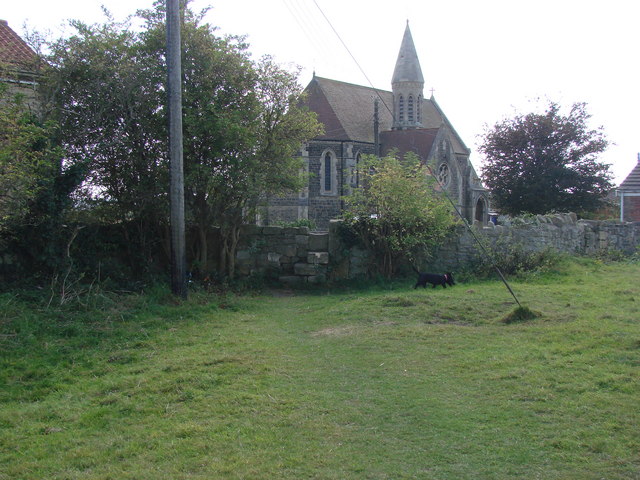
376	383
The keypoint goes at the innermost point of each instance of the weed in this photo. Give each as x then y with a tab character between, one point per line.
520	314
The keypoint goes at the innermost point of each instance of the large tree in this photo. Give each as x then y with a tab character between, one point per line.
241	120
543	162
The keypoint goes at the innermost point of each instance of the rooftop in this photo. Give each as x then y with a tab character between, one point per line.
14	51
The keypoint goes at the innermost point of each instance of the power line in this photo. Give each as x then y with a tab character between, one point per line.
307	26
354	58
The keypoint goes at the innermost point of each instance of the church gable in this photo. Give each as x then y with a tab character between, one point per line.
352	129
347	112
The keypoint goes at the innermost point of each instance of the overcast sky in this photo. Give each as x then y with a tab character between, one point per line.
484	60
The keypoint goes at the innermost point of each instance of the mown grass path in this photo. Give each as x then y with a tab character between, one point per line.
379	384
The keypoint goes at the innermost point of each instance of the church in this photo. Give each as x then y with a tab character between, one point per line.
360	121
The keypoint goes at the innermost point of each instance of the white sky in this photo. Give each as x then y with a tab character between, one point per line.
485	60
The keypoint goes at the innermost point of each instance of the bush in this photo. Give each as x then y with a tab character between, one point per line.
396	213
512	259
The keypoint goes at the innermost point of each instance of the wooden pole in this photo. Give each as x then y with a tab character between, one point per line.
174	89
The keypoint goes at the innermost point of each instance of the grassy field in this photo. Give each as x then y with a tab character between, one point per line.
378	383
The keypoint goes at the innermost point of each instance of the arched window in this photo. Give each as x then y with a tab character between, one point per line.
419	109
401	108
328	176
480	208
410	108
327	171
355	173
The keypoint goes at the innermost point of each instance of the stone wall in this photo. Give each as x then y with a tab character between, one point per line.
298	256
561	232
290	255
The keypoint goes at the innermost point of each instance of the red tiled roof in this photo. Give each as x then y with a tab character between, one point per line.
14	51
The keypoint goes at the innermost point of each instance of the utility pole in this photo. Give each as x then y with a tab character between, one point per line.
176	194
376	128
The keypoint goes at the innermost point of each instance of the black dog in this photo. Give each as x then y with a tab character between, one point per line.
434	279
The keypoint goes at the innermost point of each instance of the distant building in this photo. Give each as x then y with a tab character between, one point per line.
19	64
629	193
361	120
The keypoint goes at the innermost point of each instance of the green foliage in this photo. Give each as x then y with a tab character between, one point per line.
545	162
29	158
396	212
241	119
512	259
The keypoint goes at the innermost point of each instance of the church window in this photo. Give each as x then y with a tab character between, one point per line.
328	176
419	109
444	176
355	173
480	208
401	108
410	108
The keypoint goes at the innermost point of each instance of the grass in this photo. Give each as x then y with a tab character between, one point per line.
380	383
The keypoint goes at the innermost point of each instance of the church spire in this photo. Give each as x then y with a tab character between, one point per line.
407	84
407	65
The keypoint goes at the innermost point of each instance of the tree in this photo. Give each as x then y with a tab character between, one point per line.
397	211
269	164
27	157
538	163
35	186
107	93
241	121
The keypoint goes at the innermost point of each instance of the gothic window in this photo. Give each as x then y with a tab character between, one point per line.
444	175
401	108
355	174
410	108
480	208
419	109
327	172
328	176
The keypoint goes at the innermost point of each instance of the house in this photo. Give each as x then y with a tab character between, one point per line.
19	65
629	193
361	120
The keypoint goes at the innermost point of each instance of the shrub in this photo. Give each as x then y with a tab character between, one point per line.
396	213
512	259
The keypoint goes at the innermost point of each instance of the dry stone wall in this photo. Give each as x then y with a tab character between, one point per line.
291	255
560	232
297	256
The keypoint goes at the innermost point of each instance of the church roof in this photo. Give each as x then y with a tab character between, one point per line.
407	65
346	110
14	51
632	182
419	141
